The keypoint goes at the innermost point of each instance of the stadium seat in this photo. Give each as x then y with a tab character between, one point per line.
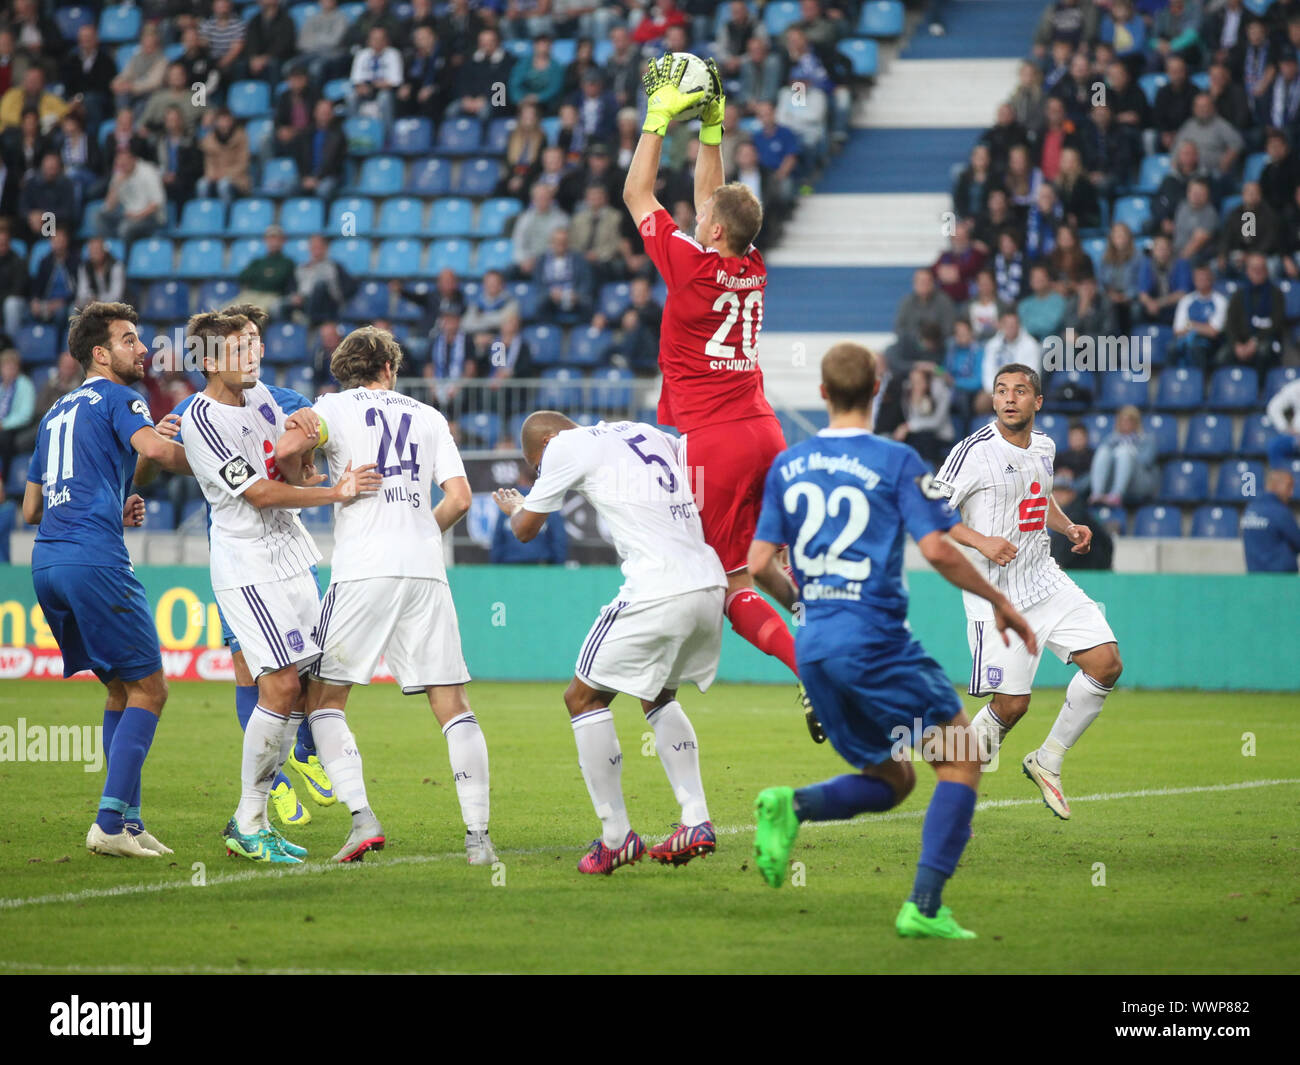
1151	174
1219	523
159	515
279	177
370	301
1071	391
194	514
300	13
779	16
1234	388
589	346
494	255
1121	390
615	391
38	343
1114	518
303	379
70	19
1180	389
1099	427
1256	434
144	330
1278	378
381	175
243	252
615	298
453	255
411	136
1160	337
1239	481
352	253
879	18
563	389
529	296
1201	79
482	429
863	55
298	249
285	344
1291	299
604	49
520	48
40	249
494	216
451	217
202	218
166	301
1185	481
1134	212
1209	436
1255	163
430	177
216	294
459	136
1150	84
565	49
1164	427
336	89
398	257
498	134
544	342
250	217
249	99
302	216
150	259
402	216
476	177
119	24
1158	521
551	127
258	130
1056	427
364	134
351	216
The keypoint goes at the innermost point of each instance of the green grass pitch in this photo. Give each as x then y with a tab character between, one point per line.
1193	876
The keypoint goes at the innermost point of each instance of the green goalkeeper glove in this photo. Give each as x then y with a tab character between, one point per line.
714	111
666	99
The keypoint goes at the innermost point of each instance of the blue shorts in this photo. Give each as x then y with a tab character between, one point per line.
100	617
229	638
863	697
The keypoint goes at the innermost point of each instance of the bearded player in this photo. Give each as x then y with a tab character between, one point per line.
708	352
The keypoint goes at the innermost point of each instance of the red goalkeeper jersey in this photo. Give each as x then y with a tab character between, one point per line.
708	343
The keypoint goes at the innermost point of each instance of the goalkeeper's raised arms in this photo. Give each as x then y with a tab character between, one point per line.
715	110
667	99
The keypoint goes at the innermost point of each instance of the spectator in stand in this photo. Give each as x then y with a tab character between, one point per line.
1223	30
1256	330
597	169
927	416
424	92
778	149
1230	100
17	406
175	93
1009	267
972	188
925	303
1108	152
806	66
1281	175
48	196
268	280
88	71
199	66
1075	192
1077	455
823	33
1042	312
527	19
549	547
733	39
984	311
635	347
1174	99
323	286
79	154
459	31
1021	181
1162	282
567	281
623	67
1251	227
584	62
1075	89
225	158
1087	312
1269	532
377	13
507	358
1256	64
1199	321
1184	167
488	66
658	17
270	41
31	96
1175	32
320	42
523	152
1218	143
1124	469
490	306
14	282
759	76
144	71
1283	412
597	110
538	78
446	298
223	36
1118	277
964	364
1056	134
101	278
13	63
996	217
1196	223
136	204
1027	100
293	110
35	33
1074	21
955	269
54	284
122	138
1002	136
1125	32
570	138
533	229
1067	491
1278	103
1009	344
1045	216
321	152
750	172
1068	263
451	360
376	75
596	234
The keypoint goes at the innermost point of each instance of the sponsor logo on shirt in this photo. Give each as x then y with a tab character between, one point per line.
140	407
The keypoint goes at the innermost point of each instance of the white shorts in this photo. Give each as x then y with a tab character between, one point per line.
1065	622
642	648
275	623
408	621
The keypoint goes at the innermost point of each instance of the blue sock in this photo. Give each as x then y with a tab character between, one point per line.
131	742
306	746
943	838
245	703
112	718
842	797
280	778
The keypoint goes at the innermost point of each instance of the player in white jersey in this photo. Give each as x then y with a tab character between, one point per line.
261	558
1000	479
662	629
388	593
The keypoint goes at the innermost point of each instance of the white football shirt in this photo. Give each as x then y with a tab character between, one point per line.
229	449
631	474
393	532
1003	490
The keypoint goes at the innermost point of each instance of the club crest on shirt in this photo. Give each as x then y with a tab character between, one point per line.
994	676
265	411
140	407
236	471
295	640
1047	464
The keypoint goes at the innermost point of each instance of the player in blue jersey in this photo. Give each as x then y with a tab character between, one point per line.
303	757
843	501
95	607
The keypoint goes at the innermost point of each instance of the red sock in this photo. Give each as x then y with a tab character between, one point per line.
754	620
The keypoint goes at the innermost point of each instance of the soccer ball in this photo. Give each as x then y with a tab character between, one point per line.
697	77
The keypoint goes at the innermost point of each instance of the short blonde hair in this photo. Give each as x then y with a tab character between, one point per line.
737	210
361	355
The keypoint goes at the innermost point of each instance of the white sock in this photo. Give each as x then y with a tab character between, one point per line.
337	750
258	768
467	752
1083	702
679	752
990	730
289	738
601	761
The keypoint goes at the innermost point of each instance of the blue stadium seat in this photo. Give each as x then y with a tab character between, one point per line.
1161	336
1201	79
364	134
202	218
1099	427
243	252
250	217
411	136
124	53
879	18
298	249
564	50
551	127
477	177
1164	427
201	258
302	216
616	391
1150	84
1255	163
285	344
482	429
166	301
1291	299
863	55
430	177
1152	173
336	89
451	255
71	19
300	13
520	48
451	217
159	515
249	99
1234	388
398	257
369	302
1114	518
351	216
563	390
459	136
1180	389
150	259
1239	481
1209	436
530	297
1256	434
1056	427
38	343
402	216
381	175
589	346
1158	521
37	255
1121	390
258	130
615	298
498	134
119	24
1134	212
216	294
494	255
279	177
544	342
1278	378
89	219
1071	391
352	253
494	216
303	379
1185	481
144	330
604	49
1219	523
779	16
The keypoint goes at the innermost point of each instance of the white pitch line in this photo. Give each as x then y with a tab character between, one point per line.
195	970
722	830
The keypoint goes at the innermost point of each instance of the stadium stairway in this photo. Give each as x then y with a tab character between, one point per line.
878	212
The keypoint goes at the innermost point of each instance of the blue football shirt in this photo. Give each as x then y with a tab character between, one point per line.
842	501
